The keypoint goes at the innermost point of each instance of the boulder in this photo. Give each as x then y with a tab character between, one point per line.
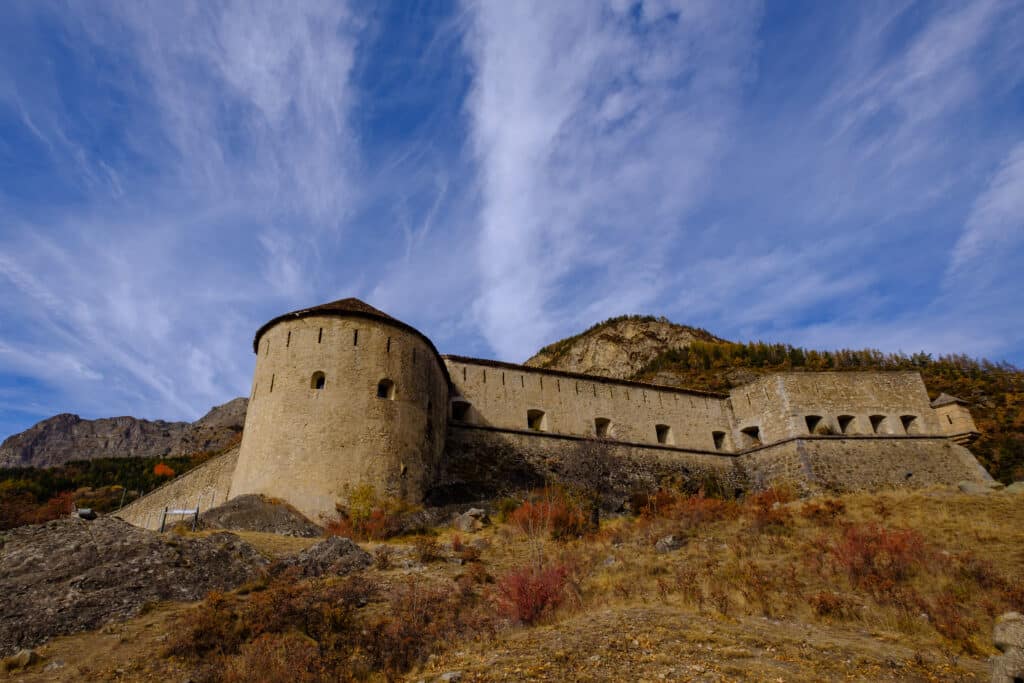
471	520
1008	637
973	488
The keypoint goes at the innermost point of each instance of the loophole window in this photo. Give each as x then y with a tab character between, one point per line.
386	389
318	380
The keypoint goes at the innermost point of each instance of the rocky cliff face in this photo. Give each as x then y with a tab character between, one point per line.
619	347
65	437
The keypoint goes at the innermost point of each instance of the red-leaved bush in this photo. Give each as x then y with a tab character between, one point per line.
870	554
527	594
163	470
554	512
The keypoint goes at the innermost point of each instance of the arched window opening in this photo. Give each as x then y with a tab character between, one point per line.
751	436
910	425
664	434
877	424
460	410
317	381
719	438
602	427
386	389
846	424
536	420
813	421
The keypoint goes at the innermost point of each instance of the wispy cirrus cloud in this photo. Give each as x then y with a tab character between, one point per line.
593	125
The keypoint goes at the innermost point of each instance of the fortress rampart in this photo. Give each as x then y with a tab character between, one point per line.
345	396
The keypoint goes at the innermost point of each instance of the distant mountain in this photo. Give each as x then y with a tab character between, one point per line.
619	347
66	437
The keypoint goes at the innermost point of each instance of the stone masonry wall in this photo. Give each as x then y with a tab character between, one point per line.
501	395
205	486
780	403
484	462
838	464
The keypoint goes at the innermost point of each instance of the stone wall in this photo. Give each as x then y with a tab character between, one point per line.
781	402
500	395
205	487
867	463
485	462
312	444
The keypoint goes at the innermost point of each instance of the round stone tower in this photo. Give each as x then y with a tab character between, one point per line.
343	396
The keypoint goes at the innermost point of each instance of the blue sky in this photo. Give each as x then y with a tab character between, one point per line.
498	174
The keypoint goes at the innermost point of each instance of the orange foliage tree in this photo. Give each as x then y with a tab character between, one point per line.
162	470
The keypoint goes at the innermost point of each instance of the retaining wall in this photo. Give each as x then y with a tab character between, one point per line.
205	486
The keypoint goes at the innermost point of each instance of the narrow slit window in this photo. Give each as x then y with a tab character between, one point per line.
503	379
386	389
288	339
271	384
846	424
602	427
909	424
877	424
320	336
949	418
389	345
664	434
751	436
719	439
536	420
267	351
355	337
318	380
813	422
485	377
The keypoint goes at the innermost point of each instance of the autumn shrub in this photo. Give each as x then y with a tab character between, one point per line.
383	557
873	556
947	615
825	512
767	511
830	604
527	594
504	508
426	549
689	509
369	517
277	658
552	511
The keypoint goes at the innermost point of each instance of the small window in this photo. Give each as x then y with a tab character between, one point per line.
271	384
751	436
877	424
664	434
389	345
719	438
320	336
909	424
949	418
317	381
288	340
602	427
536	420
460	410
846	424
355	337
386	389
812	423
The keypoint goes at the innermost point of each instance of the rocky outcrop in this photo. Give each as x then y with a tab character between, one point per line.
72	575
253	512
619	347
66	437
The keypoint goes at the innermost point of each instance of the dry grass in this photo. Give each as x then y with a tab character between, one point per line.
761	590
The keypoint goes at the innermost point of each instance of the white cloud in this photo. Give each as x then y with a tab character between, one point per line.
594	129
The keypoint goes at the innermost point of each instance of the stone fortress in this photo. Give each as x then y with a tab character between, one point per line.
345	396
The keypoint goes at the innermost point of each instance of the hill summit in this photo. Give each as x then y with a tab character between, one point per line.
618	347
